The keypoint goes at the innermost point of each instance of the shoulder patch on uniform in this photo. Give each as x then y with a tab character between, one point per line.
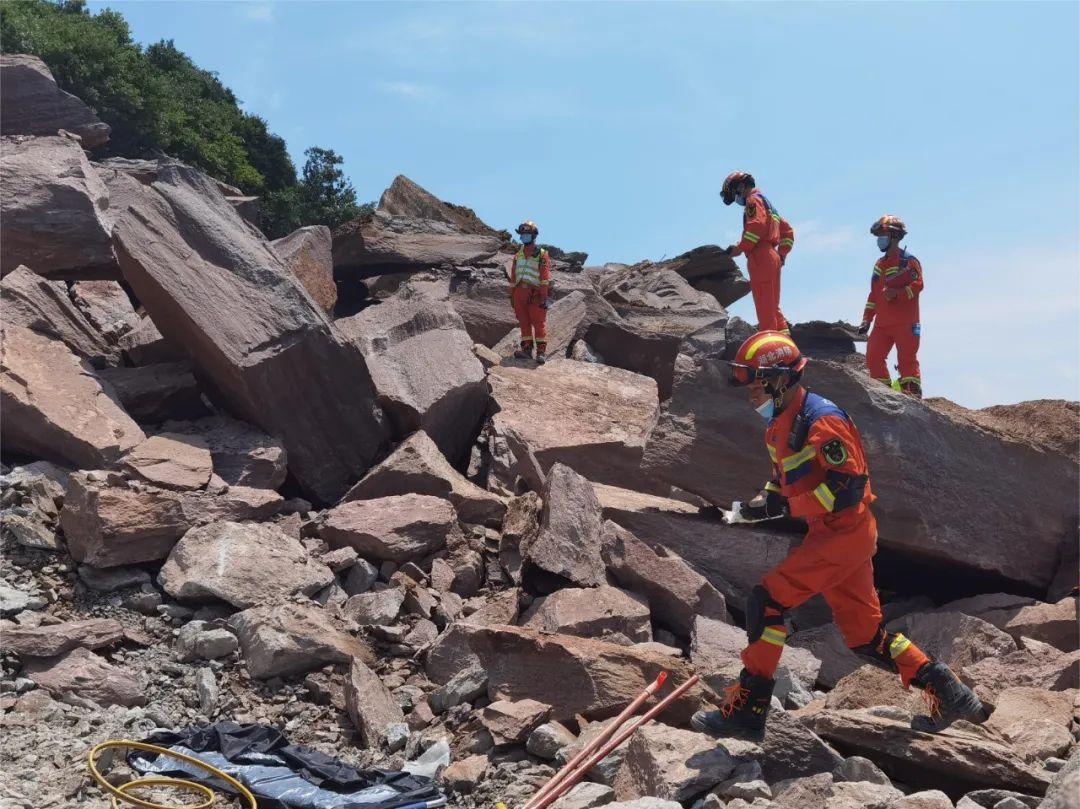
751	210
834	452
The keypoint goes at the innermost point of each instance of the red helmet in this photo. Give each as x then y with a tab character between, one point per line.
528	227
765	356
734	179
892	225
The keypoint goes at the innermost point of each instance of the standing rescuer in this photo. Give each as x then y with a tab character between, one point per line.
820	474
766	241
530	276
893	308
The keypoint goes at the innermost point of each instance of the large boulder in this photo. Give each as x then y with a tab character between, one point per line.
593	418
171	461
709	269
307	253
1035	722
106	304
676	593
83	674
55	639
44	306
144	345
566	550
1055	624
380	242
732	558
574	675
593	612
956	761
666	762
709	443
1036	665
568	319
242	564
417	466
401	528
56	408
424	369
482	300
155	393
213	285
109	522
32	104
406	198
956	639
242	454
292	638
53	210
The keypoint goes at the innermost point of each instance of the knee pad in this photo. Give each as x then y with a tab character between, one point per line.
756	619
882	650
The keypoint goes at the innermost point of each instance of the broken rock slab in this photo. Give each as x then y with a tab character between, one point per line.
423	368
675	592
593	418
594	612
370	705
568	320
400	528
1055	624
44	306
666	762
1035	722
956	639
106	305
955	761
308	253
418	466
512	722
110	522
1037	665
144	345
159	392
33	104
292	638
566	550
214	286
242	564
53	209
171	461
55	639
56	408
243	455
84	674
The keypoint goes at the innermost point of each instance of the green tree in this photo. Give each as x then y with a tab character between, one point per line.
324	196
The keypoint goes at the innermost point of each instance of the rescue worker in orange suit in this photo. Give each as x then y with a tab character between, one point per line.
819	474
766	241
530	276
893	309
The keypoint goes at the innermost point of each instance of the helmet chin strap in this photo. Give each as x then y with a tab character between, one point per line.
779	390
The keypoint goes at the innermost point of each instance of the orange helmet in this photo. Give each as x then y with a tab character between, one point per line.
766	356
893	225
528	226
733	179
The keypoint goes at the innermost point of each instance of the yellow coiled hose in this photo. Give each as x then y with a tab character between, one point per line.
121	793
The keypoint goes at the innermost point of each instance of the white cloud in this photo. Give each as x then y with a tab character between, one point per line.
405	89
260	12
816	237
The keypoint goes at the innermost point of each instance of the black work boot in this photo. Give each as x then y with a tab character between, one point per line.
541	352
742	716
947	698
525	351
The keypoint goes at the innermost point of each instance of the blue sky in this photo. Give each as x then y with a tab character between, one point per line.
613	124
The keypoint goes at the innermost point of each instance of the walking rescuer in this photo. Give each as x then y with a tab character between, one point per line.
530	275
820	474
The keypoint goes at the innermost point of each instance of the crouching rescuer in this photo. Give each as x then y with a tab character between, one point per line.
820	474
530	276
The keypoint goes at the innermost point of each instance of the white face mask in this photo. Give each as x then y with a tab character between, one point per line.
766	410
883	243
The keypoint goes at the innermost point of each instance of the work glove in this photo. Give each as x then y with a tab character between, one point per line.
732	250
864	328
766	506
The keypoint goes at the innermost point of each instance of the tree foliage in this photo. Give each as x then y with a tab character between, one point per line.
158	100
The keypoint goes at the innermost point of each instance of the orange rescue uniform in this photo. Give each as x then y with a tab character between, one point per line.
896	321
819	466
766	241
530	276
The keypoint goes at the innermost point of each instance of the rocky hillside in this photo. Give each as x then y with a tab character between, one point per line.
303	483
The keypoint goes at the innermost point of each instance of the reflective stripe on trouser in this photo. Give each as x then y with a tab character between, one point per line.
881	342
531	317
763	655
763	266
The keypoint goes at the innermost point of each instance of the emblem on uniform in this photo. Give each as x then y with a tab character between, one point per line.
834	452
751	210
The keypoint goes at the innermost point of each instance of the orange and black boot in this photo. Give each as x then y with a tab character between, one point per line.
912	387
525	351
743	714
947	699
541	351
